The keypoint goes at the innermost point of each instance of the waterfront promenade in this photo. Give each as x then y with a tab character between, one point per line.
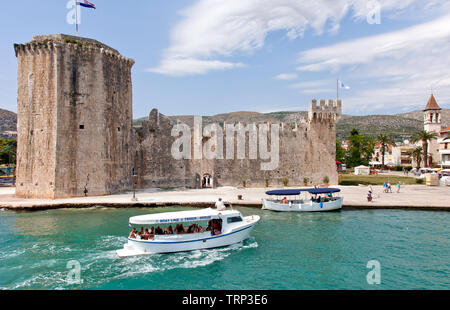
418	197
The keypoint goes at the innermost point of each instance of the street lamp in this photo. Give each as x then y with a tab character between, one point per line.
134	184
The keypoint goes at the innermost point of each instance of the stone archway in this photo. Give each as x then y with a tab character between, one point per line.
207	181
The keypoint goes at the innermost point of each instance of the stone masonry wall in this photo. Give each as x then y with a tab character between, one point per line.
84	97
307	149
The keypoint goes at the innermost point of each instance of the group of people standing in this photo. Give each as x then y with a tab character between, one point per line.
387	188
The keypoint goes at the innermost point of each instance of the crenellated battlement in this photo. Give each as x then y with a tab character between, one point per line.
325	111
50	43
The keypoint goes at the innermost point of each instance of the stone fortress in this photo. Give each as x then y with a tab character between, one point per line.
76	135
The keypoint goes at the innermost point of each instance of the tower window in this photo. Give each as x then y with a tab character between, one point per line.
118	129
81	126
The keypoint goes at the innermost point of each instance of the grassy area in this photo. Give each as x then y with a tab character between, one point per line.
350	179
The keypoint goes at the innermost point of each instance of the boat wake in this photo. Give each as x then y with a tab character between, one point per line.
100	264
143	264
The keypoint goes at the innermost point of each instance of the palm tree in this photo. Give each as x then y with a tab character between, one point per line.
416	154
385	141
424	136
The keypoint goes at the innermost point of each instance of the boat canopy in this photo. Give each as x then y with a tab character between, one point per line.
296	192
316	191
286	192
179	217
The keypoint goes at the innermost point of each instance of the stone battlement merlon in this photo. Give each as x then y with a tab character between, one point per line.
323	110
47	43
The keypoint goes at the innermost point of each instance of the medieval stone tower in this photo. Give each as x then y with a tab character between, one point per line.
432	123
74	118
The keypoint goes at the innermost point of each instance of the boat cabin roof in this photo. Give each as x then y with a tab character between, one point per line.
181	217
296	192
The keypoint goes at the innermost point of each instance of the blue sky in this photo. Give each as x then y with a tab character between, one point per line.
207	57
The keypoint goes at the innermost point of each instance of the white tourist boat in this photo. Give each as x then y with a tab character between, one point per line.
319	200
231	228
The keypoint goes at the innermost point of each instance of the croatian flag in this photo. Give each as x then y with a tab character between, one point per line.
342	85
87	4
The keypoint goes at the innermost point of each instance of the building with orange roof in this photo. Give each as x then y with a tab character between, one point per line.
432	123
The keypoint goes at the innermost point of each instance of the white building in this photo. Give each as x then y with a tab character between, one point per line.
444	148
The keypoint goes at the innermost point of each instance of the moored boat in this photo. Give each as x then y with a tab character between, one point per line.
223	228
320	200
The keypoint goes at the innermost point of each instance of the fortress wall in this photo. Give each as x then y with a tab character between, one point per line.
307	149
301	155
153	160
36	111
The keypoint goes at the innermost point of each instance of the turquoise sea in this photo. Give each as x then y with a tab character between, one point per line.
287	251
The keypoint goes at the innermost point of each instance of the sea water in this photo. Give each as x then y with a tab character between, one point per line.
287	251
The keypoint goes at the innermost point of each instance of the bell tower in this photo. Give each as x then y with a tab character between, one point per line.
432	123
432	116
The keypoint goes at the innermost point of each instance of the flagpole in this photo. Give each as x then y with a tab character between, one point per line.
337	90
76	15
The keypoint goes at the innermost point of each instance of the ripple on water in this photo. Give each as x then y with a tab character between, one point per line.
287	251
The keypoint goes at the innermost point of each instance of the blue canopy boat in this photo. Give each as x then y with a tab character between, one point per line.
319	200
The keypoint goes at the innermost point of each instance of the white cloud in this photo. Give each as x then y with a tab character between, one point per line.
213	29
286	76
312	84
361	51
399	67
183	66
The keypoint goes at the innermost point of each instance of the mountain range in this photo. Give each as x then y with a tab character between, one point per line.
398	126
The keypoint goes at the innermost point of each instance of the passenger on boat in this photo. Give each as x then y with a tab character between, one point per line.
284	201
217	227
146	234
133	233
159	231
170	230
180	229
220	205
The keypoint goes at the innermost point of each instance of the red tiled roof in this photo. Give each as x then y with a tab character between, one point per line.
432	104
445	130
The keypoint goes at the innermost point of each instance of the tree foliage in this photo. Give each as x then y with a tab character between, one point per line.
359	151
424	136
385	140
4	156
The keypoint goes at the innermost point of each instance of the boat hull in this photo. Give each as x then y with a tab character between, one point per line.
303	207
179	243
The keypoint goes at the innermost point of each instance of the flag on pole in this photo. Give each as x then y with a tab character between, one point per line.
342	85
87	4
